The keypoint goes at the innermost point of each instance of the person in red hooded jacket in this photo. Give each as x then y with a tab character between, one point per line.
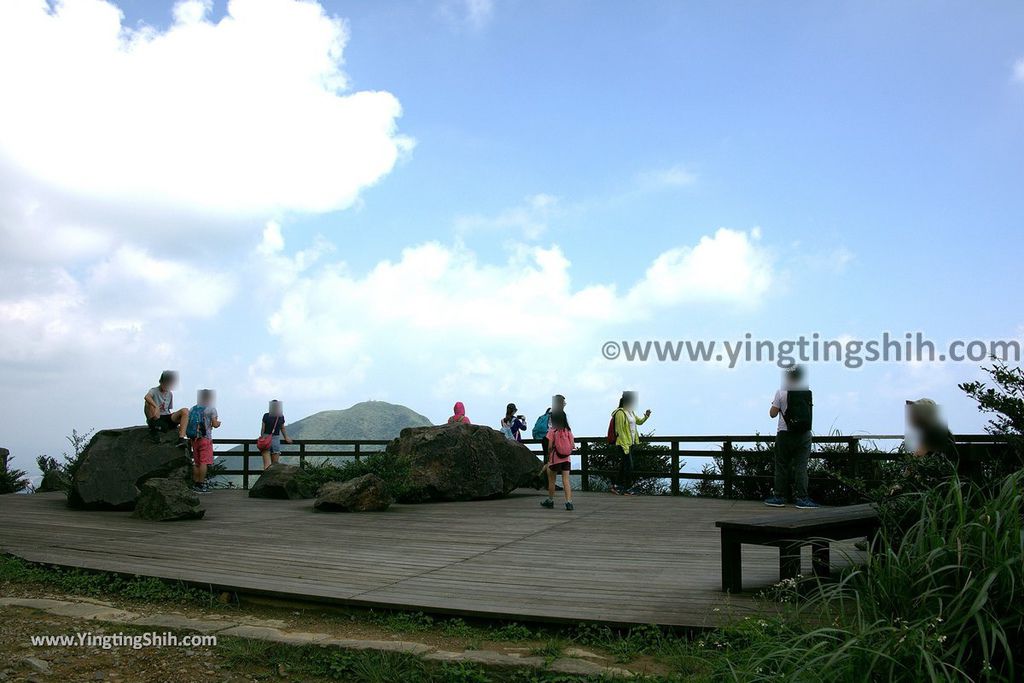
460	415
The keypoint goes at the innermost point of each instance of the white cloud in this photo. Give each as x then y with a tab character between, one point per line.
729	266
474	14
130	157
442	304
247	115
1018	70
666	178
528	220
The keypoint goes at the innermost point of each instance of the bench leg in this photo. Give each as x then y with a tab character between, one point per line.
789	561
732	570
820	559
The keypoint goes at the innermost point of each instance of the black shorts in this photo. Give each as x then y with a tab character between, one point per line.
163	423
560	467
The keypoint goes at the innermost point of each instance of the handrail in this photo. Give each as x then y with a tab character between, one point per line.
726	449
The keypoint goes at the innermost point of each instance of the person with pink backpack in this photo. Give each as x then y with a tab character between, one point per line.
560	447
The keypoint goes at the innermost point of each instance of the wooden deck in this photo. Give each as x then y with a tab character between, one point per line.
615	559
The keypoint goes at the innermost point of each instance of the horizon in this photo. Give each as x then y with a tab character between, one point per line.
481	201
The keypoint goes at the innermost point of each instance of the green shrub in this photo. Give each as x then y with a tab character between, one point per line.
940	601
839	479
393	470
604	461
11	480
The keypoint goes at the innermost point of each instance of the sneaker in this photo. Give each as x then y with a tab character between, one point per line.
806	504
569	506
549	504
775	502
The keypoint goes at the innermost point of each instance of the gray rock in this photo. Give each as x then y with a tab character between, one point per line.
165	500
367	493
117	461
183	623
37	665
463	462
279	481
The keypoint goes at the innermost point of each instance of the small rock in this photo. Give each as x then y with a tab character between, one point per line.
99	676
37	665
367	493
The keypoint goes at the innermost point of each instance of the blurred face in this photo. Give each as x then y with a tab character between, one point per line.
558	404
276	408
631	401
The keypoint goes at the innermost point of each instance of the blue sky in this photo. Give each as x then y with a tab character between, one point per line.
865	159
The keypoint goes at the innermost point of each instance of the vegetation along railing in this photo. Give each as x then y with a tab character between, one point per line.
730	461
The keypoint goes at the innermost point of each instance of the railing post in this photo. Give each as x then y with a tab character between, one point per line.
302	454
855	465
675	467
245	466
356	451
585	465
727	470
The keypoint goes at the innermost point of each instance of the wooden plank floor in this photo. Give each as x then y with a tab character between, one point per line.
615	559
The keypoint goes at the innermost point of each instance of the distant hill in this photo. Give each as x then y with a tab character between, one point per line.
366	420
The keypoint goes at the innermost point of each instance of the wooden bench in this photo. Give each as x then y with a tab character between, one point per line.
789	530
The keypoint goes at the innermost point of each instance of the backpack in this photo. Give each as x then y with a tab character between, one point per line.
196	427
799	411
563	442
612	436
540	427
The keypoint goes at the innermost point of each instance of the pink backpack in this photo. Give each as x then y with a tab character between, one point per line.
564	442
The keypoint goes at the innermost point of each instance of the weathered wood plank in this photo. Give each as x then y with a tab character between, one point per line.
615	559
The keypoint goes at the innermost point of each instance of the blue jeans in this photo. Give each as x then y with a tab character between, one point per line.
792	451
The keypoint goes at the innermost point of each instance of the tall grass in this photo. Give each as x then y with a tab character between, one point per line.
942	599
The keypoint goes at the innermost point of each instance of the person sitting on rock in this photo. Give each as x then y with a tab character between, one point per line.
459	416
202	421
159	407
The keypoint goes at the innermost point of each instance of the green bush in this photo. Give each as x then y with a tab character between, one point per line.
393	470
11	480
604	461
941	600
839	479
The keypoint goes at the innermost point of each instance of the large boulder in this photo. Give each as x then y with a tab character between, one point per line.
463	462
280	481
164	500
367	493
117	461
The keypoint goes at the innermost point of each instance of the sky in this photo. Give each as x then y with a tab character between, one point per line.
438	200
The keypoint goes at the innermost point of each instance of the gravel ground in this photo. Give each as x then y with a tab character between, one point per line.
21	661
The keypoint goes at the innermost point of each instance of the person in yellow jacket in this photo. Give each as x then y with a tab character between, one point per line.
626	437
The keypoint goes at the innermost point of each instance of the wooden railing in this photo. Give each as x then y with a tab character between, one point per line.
680	449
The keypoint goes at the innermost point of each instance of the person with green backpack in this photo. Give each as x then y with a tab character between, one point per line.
792	405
